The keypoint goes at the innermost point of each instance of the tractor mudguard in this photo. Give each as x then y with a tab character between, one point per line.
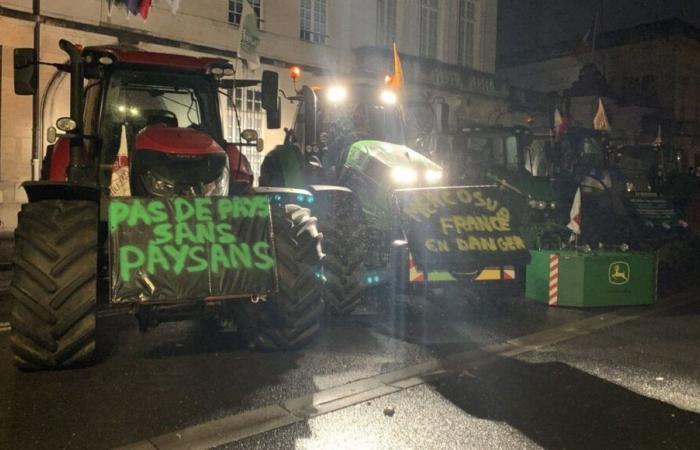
325	193
60	190
56	160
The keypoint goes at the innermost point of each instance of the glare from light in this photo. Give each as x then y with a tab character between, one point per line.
337	94
404	175
121	108
388	97
433	176
134	111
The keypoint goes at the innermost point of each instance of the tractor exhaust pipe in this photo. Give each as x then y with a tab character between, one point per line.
76	164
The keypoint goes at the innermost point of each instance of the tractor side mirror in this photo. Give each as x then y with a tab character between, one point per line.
269	90
274	117
25	64
442	117
310	102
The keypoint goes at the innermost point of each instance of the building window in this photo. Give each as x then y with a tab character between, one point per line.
248	102
429	28
235	9
313	21
467	26
386	22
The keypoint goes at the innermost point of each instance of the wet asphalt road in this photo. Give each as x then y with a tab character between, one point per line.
636	385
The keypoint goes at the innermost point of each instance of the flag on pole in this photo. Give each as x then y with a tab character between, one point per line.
250	37
119	187
560	123
396	82
134	6
658	141
144	8
600	121
174	5
575	214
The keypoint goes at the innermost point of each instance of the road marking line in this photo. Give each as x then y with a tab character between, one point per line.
246	424
5	327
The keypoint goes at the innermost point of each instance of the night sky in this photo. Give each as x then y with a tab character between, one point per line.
524	24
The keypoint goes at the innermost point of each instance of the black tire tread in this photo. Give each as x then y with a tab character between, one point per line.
344	236
291	318
54	285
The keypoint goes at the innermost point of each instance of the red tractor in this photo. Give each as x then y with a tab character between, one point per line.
184	236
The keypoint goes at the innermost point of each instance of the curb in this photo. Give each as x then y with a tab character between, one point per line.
239	426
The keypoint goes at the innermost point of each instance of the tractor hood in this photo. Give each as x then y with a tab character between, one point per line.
375	169
176	141
366	156
169	161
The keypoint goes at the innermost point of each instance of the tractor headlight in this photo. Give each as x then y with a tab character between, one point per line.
538	204
553	205
158	186
218	187
433	176
337	94
404	175
388	97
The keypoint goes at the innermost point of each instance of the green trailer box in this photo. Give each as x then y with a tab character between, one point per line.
589	279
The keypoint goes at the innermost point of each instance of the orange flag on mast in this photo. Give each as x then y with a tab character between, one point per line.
396	81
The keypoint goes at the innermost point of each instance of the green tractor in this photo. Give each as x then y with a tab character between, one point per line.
546	172
348	147
656	171
518	161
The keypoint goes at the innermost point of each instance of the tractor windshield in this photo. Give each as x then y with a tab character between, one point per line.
136	99
362	118
365	121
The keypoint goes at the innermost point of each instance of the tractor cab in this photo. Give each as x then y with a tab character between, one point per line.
160	111
581	152
479	150
646	167
330	119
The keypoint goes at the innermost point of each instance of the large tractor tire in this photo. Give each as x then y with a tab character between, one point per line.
54	285
290	318
344	237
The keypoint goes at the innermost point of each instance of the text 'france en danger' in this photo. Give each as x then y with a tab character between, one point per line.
463	220
189	235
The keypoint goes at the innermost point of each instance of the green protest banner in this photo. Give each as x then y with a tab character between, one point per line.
461	229
180	248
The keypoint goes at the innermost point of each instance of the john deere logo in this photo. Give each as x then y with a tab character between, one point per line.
619	273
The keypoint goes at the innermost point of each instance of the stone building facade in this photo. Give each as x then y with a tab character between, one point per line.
651	73
448	48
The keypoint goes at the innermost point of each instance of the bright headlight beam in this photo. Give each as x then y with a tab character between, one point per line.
388	97
433	176
404	175
337	94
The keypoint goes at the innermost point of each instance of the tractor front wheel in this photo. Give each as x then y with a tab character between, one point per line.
290	318
54	285
344	236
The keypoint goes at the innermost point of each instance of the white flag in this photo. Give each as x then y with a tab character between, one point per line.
119	187
250	37
658	141
559	123
575	213
174	5
600	121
